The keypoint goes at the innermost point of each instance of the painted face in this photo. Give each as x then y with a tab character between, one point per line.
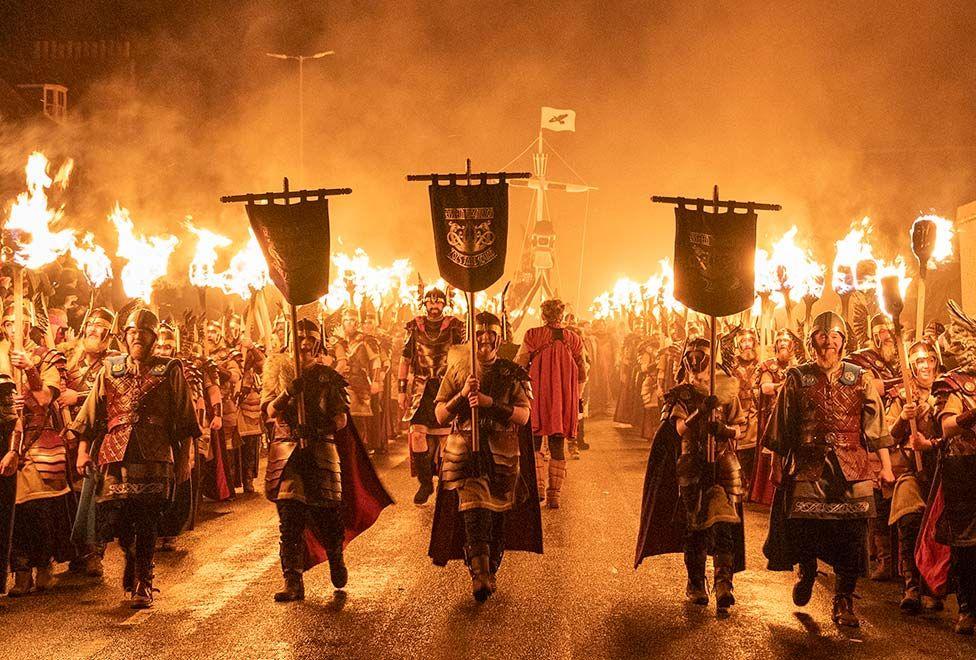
139	343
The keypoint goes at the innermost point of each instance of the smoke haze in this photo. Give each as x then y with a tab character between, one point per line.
833	109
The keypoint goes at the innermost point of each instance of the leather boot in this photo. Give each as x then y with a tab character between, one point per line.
338	572
966	625
557	473
573	449
696	591
480	569
806	577
932	604
843	610
23	583
424	475
883	569
294	588
44	578
911	600
541	469
142	595
724	599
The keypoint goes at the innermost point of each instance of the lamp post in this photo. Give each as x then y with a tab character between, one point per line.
301	100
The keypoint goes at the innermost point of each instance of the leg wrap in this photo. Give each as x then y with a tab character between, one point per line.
541	469
908	528
477	531
557	474
291	526
557	447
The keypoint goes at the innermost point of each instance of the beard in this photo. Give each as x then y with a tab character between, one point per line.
828	356
93	344
888	352
747	355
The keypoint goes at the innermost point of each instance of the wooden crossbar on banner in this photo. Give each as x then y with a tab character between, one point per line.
716	203
454	177
286	194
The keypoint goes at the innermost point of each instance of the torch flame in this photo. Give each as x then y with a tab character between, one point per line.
944	231
203	266
895	268
92	259
248	271
851	250
147	257
30	219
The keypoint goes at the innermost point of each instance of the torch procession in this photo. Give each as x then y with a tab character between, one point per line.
285	374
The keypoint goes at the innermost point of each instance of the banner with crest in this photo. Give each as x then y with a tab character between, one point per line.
714	260
470	233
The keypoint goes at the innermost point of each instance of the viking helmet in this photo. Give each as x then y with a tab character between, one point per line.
168	334
828	322
746	332
922	350
878	323
142	319
487	322
784	335
697	355
434	294
102	317
309	328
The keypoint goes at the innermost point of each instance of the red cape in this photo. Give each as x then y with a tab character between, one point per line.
363	494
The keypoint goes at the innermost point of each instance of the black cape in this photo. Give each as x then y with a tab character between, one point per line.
8	499
523	523
663	524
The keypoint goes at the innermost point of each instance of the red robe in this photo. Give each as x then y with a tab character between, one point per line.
554	370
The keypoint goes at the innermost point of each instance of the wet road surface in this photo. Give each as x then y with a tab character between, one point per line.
581	599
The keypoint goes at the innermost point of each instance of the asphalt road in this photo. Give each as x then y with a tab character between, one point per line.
581	599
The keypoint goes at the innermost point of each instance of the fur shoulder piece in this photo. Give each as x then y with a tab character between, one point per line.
509	369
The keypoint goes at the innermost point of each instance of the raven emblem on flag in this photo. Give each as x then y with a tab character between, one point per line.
558	119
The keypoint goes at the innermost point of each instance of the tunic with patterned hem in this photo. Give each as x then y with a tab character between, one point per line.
507	383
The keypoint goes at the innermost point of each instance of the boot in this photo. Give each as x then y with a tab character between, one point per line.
696	592
338	572
479	567
966	624
557	473
167	543
248	486
724	599
932	604
23	583
574	451
805	579
843	611
294	588
129	569
93	565
911	600
142	595
541	468
44	578
424	476
883	569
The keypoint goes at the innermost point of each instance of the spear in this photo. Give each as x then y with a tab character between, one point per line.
891	295
923	244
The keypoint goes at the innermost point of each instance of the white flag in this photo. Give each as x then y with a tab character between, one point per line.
558	120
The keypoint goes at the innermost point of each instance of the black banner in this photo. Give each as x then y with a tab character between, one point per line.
295	241
714	260
470	233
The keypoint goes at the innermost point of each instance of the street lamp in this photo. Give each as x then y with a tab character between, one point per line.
301	101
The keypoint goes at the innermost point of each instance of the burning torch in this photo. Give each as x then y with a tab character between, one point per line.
923	245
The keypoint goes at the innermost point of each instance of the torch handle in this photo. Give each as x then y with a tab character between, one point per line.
906	381
920	304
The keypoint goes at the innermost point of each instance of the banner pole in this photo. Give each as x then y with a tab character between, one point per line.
296	354
475	440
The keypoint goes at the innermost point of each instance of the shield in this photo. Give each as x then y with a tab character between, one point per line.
295	241
470	233
714	260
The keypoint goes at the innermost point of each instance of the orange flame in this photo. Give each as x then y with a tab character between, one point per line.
944	231
147	257
30	218
92	259
851	250
203	266
248	271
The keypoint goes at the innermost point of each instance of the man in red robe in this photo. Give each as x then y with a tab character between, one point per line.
554	357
